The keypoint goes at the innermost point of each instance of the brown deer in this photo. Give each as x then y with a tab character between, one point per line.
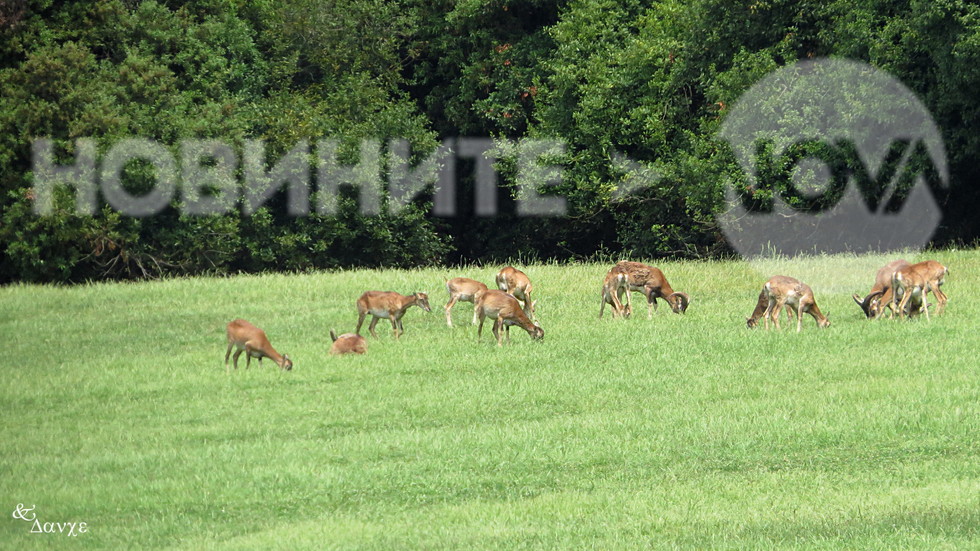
348	343
786	291
922	278
248	338
651	282
936	274
389	305
915	282
881	292
614	287
505	310
513	281
463	289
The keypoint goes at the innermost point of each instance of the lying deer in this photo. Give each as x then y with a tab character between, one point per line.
505	310
651	282
348	343
248	338
515	282
614	287
786	291
463	289
881	292
389	305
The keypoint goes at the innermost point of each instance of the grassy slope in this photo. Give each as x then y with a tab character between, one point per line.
682	432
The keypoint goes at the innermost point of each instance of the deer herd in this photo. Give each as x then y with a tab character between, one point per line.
900	287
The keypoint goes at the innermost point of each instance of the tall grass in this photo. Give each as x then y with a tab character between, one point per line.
684	431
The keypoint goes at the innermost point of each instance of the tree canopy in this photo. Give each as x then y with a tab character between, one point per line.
633	89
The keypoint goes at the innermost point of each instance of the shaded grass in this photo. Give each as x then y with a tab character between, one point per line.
678	432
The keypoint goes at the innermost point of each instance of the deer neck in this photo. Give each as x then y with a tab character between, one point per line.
760	307
274	356
814	311
520	319
406	301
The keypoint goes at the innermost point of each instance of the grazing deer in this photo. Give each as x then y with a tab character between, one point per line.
614	287
390	305
916	281
881	292
651	282
348	343
936	274
915	287
921	278
505	310
513	281
786	291
248	338
463	289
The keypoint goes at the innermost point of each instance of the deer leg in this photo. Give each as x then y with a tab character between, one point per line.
476	309
905	300
767	314
898	306
227	354
479	330
799	315
360	320
617	304
237	354
602	306
394	326
248	356
940	299
496	330
507	330
882	301
529	307
449	308
778	309
374	321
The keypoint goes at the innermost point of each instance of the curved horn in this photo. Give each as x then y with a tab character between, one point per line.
333	336
681	303
866	304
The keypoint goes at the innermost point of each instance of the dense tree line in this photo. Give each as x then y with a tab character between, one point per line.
650	81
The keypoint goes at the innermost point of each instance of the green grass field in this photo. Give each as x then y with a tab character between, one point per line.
681	432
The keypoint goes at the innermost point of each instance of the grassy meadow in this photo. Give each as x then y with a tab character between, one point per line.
680	432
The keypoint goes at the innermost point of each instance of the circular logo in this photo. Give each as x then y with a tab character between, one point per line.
837	156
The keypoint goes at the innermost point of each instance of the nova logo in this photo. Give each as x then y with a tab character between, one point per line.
837	156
